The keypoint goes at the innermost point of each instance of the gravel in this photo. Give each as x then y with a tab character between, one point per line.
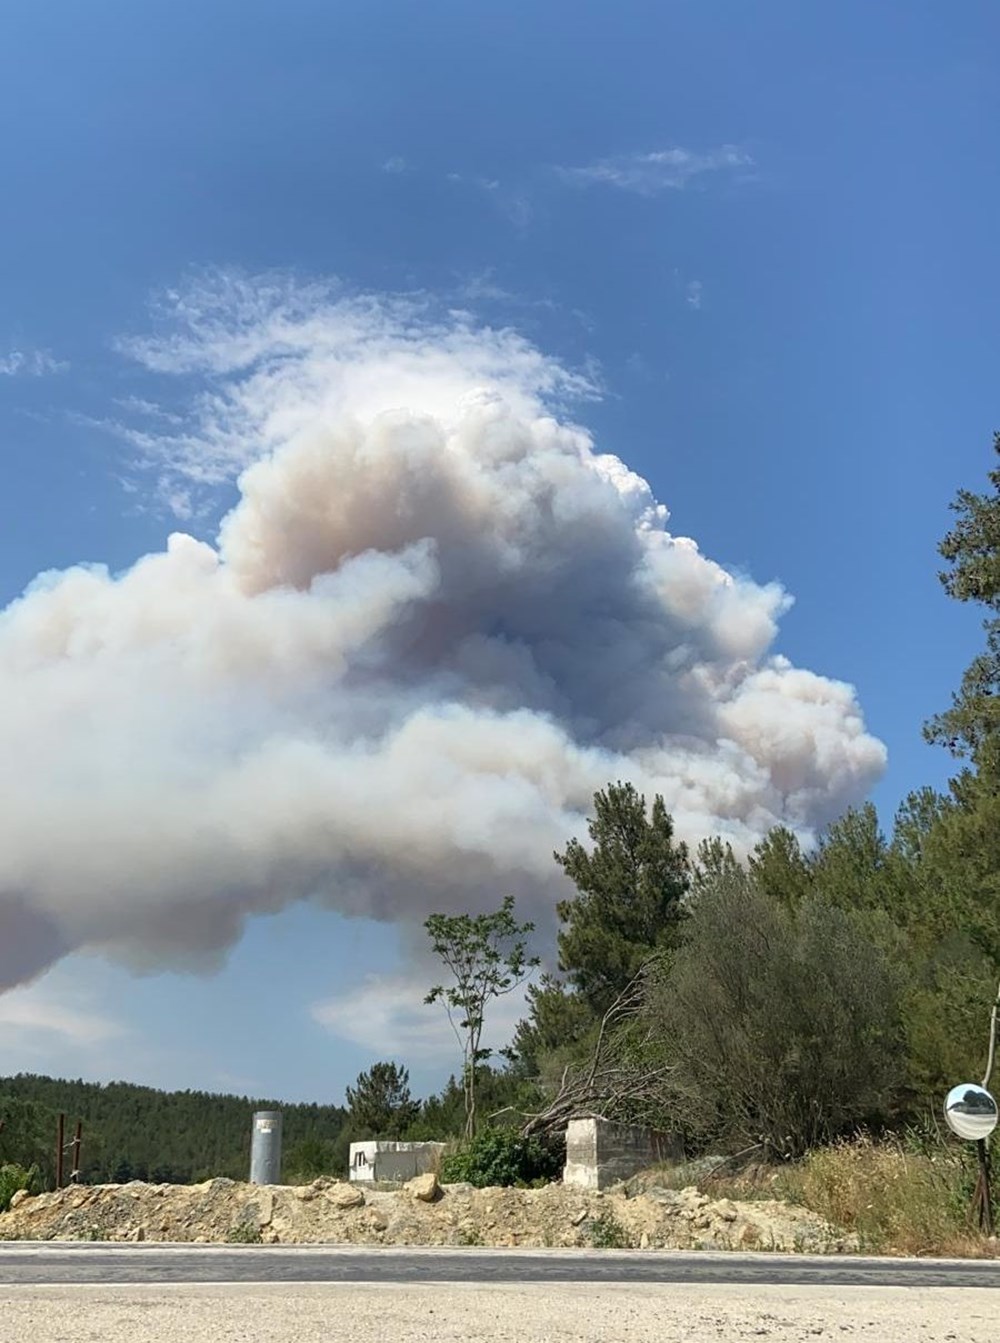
517	1314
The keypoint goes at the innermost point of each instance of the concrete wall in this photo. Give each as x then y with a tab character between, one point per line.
399	1161
599	1153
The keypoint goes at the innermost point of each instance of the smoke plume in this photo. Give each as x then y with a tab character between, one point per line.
434	623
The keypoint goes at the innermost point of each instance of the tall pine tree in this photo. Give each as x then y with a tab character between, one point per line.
631	884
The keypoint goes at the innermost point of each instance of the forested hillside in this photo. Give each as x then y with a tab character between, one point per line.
134	1132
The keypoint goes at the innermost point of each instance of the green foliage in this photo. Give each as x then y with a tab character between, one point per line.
27	1135
607	1233
784	1025
311	1158
558	1020
137	1133
379	1105
780	869
853	867
245	1233
714	861
487	957
500	1156
960	867
631	885
442	1116
972	552
14	1178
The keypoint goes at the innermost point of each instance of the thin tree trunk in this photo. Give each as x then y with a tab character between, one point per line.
470	1090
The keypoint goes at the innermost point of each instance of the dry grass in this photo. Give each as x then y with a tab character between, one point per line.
743	1184
896	1200
908	1197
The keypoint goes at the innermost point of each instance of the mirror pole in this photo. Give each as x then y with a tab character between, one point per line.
982	1198
993	1041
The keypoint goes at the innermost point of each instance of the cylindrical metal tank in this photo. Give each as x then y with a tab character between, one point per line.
265	1148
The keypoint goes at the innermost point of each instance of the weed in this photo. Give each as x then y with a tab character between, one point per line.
607	1233
894	1195
244	1233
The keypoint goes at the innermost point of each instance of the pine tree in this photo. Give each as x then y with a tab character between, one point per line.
379	1104
631	885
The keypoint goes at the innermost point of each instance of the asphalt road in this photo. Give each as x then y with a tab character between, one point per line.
25	1263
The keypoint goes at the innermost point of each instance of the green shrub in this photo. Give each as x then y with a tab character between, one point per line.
245	1233
783	1025
500	1156
607	1233
13	1178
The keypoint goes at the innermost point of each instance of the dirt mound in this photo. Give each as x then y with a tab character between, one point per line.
333	1212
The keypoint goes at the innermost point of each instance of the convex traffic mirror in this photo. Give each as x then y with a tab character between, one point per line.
970	1112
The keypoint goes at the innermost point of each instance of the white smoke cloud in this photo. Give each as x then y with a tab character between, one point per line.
436	621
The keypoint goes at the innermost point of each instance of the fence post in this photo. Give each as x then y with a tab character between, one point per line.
74	1174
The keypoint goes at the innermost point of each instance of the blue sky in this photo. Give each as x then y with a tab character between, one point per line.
765	231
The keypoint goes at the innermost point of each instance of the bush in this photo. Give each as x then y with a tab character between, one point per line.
13	1178
500	1156
784	1025
896	1197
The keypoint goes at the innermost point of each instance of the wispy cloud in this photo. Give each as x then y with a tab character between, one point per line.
35	1018
387	1014
286	342
512	202
647	174
395	165
30	364
693	291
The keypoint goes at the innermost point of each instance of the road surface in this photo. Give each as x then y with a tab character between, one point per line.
24	1263
54	1293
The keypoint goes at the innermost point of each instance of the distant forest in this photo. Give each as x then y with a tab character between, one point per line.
138	1133
183	1137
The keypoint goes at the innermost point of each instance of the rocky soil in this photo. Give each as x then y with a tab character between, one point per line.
421	1213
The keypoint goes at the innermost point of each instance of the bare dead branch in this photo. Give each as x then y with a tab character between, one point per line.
610	1083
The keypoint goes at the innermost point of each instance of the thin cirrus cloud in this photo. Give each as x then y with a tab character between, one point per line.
30	364
513	203
652	172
